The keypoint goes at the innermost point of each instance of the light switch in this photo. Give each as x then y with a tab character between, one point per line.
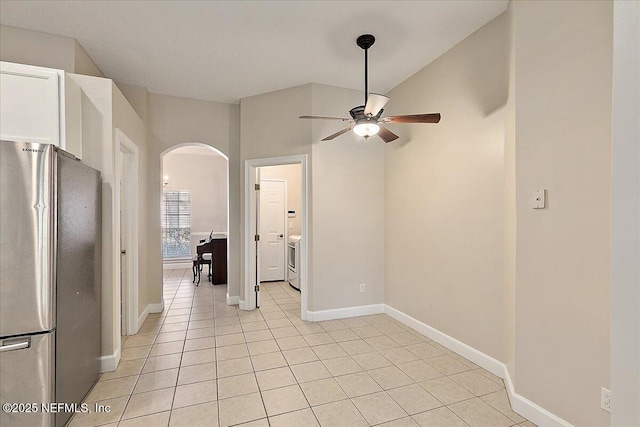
290	224
537	198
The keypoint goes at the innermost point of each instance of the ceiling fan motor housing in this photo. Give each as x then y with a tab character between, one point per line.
365	41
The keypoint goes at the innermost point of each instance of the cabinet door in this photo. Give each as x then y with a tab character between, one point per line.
30	104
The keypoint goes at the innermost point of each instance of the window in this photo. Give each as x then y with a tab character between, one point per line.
176	224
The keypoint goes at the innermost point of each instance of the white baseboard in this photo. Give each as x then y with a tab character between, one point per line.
177	265
109	362
157	307
242	305
233	300
342	313
143	317
519	404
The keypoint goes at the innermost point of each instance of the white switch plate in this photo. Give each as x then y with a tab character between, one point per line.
290	224
363	287
605	399
538	198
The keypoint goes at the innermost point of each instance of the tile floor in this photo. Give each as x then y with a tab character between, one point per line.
203	363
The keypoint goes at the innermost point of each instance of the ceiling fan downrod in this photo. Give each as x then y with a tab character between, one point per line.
365	41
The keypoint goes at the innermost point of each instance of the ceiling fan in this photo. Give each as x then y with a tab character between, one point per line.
366	119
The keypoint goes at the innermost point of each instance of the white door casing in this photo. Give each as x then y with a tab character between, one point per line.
272	229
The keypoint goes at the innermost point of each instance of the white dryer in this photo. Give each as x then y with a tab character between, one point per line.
293	255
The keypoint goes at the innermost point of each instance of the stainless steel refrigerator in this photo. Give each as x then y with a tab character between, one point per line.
50	240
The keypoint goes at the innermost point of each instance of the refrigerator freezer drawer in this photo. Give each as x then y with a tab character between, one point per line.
27	237
27	377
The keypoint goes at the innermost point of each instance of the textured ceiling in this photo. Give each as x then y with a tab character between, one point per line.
227	50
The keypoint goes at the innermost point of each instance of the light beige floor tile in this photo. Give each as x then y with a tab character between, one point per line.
447	364
228	329
200	333
288	331
475	382
231	367
109	389
232	352
319	338
285	399
227	321
446	391
125	369
414	399
262	347
500	401
253	336
356	347
419	370
378	408
198	357
527	424
192	394
149	403
277	322
328	351
241	409
355	322
441	417
304	417
477	413
85	419
401	422
160	363
367	331
199	343
268	361
368	361
254	326
156	380
230	339
339	414
341	335
398	355
381	343
237	386
163	349
160	419
197	324
203	315
358	384
135	352
299	355
310	371
424	350
407	338
171	336
322	391
333	325
341	366
174	327
257	423
275	378
139	340
390	377
293	342
197	373
202	415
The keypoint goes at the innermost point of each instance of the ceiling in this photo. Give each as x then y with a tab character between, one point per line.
227	50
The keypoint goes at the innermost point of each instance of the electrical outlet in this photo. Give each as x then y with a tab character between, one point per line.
605	399
363	287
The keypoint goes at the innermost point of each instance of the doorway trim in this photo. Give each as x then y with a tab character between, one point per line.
249	255
129	310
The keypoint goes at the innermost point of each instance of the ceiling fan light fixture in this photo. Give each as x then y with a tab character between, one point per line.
366	128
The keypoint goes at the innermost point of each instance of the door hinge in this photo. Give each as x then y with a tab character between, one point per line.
257	187
256	237
257	288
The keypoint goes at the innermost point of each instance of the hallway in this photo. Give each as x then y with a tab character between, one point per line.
203	363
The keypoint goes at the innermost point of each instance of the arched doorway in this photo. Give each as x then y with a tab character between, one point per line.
194	206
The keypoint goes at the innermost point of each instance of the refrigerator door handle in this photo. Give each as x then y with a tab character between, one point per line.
15	346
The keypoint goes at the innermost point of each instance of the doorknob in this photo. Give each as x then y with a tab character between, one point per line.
281	235
123	252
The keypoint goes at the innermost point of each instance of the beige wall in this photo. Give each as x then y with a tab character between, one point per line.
348	207
563	87
205	175
45	50
293	175
444	190
173	121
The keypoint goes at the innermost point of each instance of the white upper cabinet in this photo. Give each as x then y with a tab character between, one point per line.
32	104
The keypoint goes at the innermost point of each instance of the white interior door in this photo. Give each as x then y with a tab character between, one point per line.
123	257
272	230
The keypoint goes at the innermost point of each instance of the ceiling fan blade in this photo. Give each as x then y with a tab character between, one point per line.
386	134
413	118
325	118
337	134
375	103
